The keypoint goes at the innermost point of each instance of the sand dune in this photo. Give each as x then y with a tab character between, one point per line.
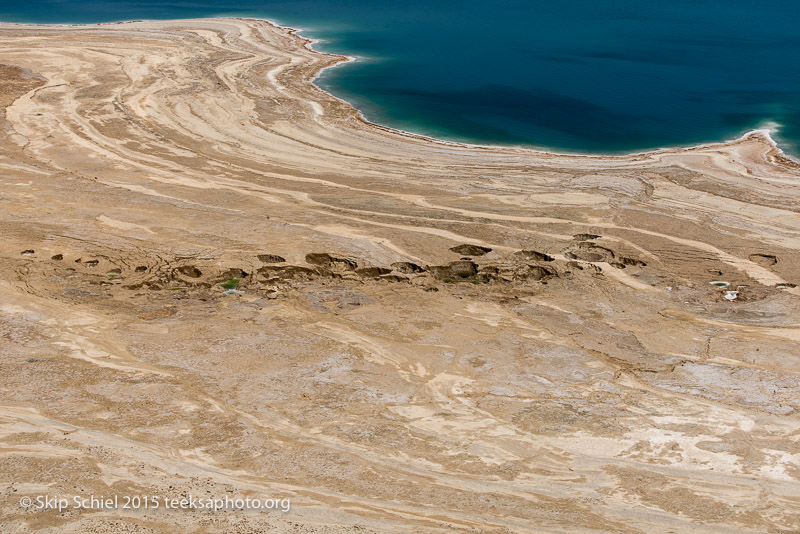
216	279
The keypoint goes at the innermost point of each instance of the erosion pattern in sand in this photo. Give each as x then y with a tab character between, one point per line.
583	375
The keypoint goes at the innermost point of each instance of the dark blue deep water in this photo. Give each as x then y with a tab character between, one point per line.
571	75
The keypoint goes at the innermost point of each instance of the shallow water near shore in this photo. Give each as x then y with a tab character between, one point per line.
583	76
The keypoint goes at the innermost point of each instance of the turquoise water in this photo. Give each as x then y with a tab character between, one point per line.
581	75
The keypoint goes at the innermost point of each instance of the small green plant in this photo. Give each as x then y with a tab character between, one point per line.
231	283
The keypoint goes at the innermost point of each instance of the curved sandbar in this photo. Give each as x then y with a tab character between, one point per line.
597	381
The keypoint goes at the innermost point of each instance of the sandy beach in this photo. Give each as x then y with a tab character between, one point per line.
217	279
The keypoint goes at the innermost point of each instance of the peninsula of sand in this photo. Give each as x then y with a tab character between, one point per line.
218	280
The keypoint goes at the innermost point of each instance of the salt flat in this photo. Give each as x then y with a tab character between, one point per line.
412	336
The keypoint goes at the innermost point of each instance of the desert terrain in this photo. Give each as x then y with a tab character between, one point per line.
217	279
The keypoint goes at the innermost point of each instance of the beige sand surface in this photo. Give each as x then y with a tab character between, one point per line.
596	382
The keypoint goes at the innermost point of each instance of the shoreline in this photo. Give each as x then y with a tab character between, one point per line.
309	41
764	133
